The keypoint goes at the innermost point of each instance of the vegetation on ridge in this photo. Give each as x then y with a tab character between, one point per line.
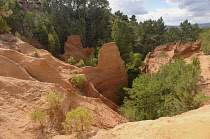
170	92
167	93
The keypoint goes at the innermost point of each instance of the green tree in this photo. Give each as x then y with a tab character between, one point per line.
135	61
169	92
92	61
57	42
28	23
38	116
205	47
120	16
195	32
189	32
4	9
173	34
4	12
54	100
54	109
23	38
185	31
78	80
123	35
51	44
71	60
81	63
78	120
150	35
3	26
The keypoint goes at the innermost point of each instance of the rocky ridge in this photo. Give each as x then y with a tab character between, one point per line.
167	53
194	124
28	74
73	47
190	125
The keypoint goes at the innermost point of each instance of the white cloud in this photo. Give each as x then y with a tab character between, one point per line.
196	11
196	7
129	7
171	16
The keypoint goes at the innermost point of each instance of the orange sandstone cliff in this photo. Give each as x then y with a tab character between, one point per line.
27	74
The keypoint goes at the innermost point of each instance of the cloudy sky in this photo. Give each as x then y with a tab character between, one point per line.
172	11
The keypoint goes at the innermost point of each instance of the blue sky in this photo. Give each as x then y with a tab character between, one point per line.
172	11
151	5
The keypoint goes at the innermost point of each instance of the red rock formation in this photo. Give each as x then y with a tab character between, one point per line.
19	98
110	72
166	53
27	74
73	47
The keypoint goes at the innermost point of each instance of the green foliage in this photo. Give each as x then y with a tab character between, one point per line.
78	80
38	115
92	61
205	47
135	61
51	44
78	120
169	92
71	60
29	23
23	38
54	100
120	95
54	110
81	63
173	35
123	35
186	32
4	8
3	26
150	34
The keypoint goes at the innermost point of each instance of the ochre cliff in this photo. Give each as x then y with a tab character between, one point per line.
27	74
194	124
73	47
110	72
167	53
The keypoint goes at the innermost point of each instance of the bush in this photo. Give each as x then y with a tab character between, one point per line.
92	61
78	120
81	63
54	100
78	80
3	26
23	38
54	109
38	115
167	93
71	60
205	47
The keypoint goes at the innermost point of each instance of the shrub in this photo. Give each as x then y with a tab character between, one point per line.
54	109
23	38
167	93
81	63
71	60
54	99
78	80
3	26
205	47
78	120
38	115
92	61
